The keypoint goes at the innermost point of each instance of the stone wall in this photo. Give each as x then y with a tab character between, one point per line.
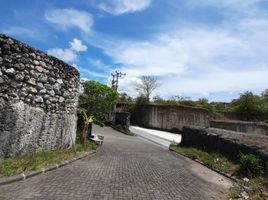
228	143
123	119
241	126
38	97
169	117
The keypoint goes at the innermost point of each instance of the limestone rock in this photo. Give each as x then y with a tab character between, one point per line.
40	86
51	80
43	91
32	90
39	99
39	68
19	77
60	81
35	62
19	66
10	71
51	92
43	78
32	81
32	112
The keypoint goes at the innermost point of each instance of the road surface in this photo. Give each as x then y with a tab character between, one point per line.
126	167
161	138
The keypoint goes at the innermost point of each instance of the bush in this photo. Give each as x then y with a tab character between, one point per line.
250	164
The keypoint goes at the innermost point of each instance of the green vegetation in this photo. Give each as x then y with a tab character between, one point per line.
212	160
97	100
247	107
254	189
41	158
248	166
87	121
146	86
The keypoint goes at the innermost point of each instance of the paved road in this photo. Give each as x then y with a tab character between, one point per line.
161	138
126	167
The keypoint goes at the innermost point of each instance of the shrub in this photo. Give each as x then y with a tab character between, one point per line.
250	164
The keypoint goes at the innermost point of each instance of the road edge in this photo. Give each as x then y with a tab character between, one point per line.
30	174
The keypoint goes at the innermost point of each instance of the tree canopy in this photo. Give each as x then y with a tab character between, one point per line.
248	106
97	99
147	86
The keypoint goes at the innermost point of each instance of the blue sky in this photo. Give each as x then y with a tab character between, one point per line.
196	48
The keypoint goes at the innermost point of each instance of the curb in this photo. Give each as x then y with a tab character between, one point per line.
119	130
30	174
215	170
156	143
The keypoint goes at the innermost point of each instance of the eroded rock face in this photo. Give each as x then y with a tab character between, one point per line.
38	97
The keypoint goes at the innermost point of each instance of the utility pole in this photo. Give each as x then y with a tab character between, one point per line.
116	75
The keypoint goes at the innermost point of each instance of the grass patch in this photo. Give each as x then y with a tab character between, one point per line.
212	160
248	166
41	158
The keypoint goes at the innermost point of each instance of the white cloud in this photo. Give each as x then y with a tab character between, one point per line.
69	54
91	73
216	81
70	18
118	7
233	4
16	30
88	74
98	64
66	55
77	45
200	60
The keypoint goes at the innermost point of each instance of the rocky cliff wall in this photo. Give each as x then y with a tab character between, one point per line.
38	97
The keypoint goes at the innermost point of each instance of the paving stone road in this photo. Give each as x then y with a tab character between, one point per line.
126	167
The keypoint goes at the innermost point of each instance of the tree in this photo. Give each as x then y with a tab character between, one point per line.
158	100
147	86
247	106
97	99
141	100
124	98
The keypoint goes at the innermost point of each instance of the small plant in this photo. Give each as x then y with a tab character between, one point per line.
87	120
250	164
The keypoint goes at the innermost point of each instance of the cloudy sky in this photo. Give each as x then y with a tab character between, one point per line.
196	48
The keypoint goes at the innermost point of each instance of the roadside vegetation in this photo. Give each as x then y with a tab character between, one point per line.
247	107
97	100
42	158
248	170
211	160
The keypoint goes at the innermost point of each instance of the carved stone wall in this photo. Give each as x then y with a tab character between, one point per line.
38	97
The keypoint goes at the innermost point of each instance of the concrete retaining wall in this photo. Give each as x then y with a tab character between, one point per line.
228	143
169	118
123	119
241	126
